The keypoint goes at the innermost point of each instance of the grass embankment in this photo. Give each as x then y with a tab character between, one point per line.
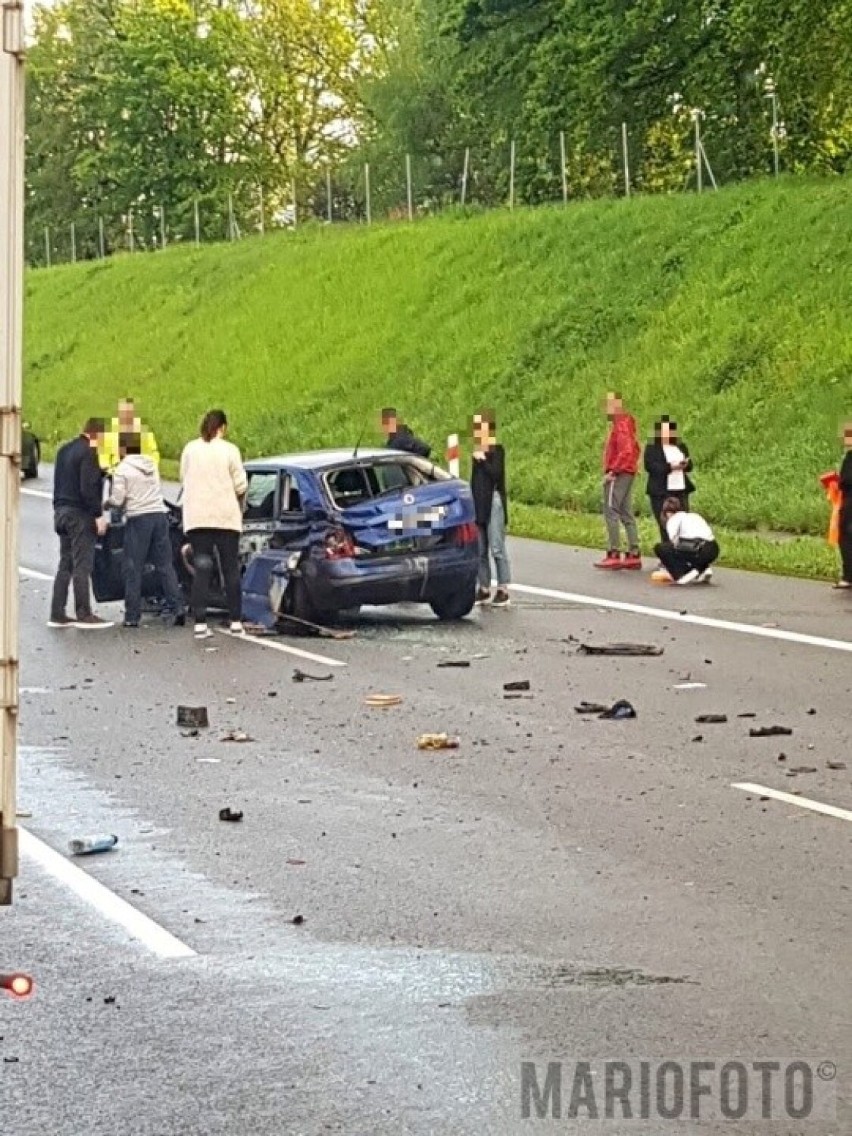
729	312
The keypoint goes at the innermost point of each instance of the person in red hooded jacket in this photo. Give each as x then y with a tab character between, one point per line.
621	464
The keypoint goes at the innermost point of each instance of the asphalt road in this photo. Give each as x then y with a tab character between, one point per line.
559	889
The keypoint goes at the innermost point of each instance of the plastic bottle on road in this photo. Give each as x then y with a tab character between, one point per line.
92	844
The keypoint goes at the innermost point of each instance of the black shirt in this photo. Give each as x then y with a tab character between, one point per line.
658	470
846	478
404	440
77	478
487	478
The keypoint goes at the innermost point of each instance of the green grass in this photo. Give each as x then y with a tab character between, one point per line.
729	312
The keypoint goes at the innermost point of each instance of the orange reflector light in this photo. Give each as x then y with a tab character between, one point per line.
18	985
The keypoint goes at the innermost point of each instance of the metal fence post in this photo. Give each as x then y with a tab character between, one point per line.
295	204
625	156
465	175
197	219
512	176
101	241
47	245
564	164
408	185
367	188
162	227
73	243
230	216
699	168
262	218
328	197
131	241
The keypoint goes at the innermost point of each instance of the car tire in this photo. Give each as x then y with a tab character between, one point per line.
454	605
302	607
31	471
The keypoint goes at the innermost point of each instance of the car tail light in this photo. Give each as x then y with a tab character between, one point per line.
467	534
18	985
339	545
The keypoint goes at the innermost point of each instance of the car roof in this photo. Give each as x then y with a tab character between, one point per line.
321	459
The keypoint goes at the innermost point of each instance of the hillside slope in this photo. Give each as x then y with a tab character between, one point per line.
729	312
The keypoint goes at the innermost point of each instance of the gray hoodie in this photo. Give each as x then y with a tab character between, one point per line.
136	487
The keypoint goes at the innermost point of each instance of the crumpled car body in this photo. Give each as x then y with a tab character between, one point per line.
329	531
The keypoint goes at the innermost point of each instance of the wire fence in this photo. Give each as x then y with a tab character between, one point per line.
414	187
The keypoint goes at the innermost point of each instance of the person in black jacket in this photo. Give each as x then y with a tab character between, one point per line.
488	485
668	465
845	529
400	437
77	521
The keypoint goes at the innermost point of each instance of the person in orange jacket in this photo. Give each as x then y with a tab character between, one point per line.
621	464
844	520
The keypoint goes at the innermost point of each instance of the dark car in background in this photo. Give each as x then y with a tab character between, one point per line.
30	453
329	531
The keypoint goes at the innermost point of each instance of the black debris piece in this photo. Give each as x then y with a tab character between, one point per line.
230	814
298	920
837	765
711	719
189	734
192	717
521	684
770	732
619	711
303	676
803	769
782	756
811	712
517	694
634	650
748	714
591	708
110	1001
698	738
454	663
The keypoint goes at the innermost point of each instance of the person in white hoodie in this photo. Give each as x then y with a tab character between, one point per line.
214	486
137	492
691	546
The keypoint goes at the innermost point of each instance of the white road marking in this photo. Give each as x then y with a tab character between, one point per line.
790	799
38	493
33	574
697	620
156	938
261	641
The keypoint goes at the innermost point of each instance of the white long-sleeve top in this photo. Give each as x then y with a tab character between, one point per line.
213	482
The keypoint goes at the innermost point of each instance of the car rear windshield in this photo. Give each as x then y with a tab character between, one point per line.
354	484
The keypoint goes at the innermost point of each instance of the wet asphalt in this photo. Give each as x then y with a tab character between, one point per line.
559	888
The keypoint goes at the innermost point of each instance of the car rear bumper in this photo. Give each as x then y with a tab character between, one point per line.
334	585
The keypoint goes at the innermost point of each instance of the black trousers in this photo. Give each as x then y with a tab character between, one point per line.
657	508
77	540
146	541
205	544
678	563
846	540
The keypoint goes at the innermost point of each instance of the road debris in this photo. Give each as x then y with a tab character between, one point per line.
627	650
296	863
237	736
193	717
801	769
298	920
454	663
770	732
836	765
437	741
90	845
748	714
690	686
521	684
230	814
189	734
383	701
516	695
617	712
303	676
315	628
711	719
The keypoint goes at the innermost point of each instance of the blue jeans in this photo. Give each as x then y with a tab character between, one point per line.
492	543
146	541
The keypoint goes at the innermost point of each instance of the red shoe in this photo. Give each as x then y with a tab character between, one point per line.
632	561
611	562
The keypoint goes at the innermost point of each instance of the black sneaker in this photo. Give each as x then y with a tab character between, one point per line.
60	621
92	623
483	595
501	598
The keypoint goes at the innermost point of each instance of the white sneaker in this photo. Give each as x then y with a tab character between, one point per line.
237	628
705	577
202	631
691	577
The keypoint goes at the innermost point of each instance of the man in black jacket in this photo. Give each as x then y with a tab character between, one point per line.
399	437
490	501
77	521
846	511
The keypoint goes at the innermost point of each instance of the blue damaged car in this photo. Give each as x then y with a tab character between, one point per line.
329	531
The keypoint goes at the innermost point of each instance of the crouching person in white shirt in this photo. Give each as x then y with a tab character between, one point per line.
691	546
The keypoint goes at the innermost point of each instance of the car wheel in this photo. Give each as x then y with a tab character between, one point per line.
31	470
302	607
454	605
